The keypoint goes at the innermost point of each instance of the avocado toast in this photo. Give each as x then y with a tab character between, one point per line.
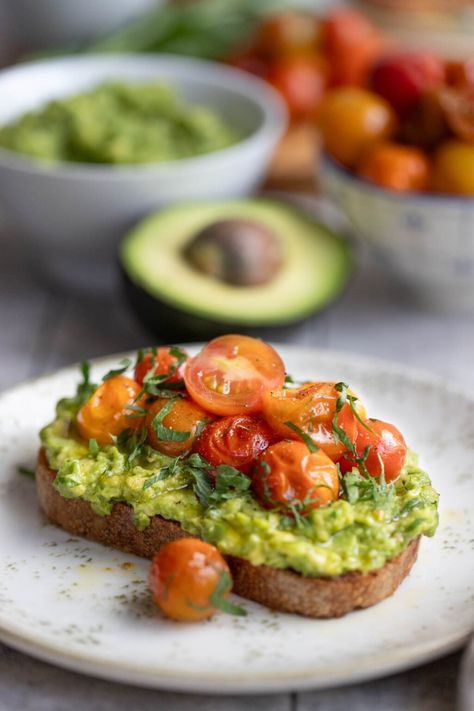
348	543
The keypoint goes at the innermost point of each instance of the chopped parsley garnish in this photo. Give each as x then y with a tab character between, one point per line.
125	364
26	471
167	434
85	389
219	600
94	448
305	437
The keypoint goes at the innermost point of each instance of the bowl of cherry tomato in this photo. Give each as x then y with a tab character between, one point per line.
399	162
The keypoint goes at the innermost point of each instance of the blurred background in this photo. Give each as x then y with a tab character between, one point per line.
303	171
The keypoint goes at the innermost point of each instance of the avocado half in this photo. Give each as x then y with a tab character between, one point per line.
171	296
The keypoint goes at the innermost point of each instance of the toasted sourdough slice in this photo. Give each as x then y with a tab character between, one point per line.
282	590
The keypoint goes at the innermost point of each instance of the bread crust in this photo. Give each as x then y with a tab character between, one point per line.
283	590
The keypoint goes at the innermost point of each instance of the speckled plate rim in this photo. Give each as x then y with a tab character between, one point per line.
390	663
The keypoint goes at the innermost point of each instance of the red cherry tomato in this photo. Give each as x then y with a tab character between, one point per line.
388	450
231	374
352	45
237	441
184	576
403	77
302	81
288	473
287	33
311	408
184	416
162	362
391	165
106	414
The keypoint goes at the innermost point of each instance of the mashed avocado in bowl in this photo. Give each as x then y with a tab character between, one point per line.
119	123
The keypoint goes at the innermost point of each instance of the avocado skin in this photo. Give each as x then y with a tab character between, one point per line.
169	323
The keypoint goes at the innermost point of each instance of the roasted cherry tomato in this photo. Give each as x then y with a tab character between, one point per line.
288	33
352	45
387	451
107	413
287	473
237	441
403	77
397	167
311	408
188	579
162	362
351	120
454	168
302	81
231	374
184	417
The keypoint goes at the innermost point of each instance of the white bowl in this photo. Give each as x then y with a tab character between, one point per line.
44	23
426	240
75	214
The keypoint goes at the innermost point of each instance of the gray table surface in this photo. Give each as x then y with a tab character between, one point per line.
41	330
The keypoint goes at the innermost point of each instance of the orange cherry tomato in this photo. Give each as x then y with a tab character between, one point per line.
302	81
397	167
287	33
184	577
387	449
311	408
288	473
351	120
352	45
107	413
185	416
162	362
236	441
231	374
453	170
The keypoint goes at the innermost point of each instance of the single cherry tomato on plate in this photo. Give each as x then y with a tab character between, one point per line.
453	170
394	166
402	78
107	413
173	432
287	33
387	452
190	580
302	81
163	362
352	45
288	473
351	120
311	409
231	373
236	441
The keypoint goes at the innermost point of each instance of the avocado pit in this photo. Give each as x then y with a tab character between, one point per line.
241	252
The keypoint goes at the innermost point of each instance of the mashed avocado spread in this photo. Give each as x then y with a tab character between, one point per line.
367	526
119	123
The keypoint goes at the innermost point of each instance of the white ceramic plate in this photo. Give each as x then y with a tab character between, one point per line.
86	607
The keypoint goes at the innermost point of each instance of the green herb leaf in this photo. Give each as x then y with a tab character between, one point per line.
218	598
26	471
125	364
94	448
167	434
164	473
305	437
202	485
85	389
230	483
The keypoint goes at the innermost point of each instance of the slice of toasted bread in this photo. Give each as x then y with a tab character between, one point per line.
282	590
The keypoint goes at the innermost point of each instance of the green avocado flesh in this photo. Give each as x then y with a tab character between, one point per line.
316	264
358	532
119	123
